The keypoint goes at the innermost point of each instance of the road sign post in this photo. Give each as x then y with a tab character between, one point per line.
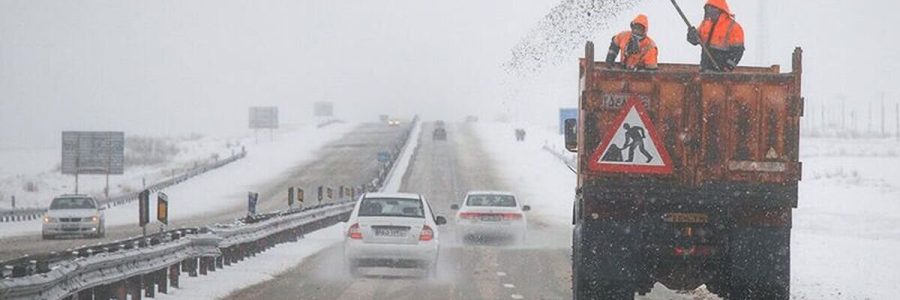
300	195
162	209
144	210
252	199
320	194
291	197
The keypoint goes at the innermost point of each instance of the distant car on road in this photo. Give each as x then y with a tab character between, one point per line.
439	123
440	134
491	214
78	215
394	230
394	122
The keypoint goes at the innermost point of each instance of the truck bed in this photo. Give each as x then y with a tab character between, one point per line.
718	128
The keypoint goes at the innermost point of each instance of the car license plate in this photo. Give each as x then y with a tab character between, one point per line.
69	226
390	232
686	218
490	218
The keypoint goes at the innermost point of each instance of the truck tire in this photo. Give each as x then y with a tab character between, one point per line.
759	264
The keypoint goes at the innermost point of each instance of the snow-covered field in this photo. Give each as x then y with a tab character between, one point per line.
21	167
226	187
845	232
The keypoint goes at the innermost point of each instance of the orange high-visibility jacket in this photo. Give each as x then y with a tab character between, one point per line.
724	37
646	54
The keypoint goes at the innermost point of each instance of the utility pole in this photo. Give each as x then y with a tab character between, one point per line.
883	133
824	120
843	112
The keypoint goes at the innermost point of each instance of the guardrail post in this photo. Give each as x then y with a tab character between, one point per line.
120	288
134	288
211	262
220	261
226	256
192	268
163	279
204	265
103	292
86	294
149	285
174	272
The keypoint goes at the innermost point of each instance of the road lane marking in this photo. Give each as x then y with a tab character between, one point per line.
517	296
501	274
509	285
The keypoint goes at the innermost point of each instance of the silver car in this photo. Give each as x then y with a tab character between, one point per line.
69	215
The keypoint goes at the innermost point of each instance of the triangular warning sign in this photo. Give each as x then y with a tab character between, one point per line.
631	145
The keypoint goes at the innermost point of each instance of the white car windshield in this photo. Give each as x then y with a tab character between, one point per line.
72	203
391	207
491	200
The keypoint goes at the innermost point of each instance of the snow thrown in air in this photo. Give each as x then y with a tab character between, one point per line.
565	28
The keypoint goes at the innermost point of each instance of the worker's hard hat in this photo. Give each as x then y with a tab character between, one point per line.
720	4
642	20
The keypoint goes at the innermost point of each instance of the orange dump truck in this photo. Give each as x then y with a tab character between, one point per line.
685	178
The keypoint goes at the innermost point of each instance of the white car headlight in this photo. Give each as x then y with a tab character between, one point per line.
48	219
95	219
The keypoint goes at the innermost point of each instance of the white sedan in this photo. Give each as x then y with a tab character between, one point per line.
491	214
74	215
392	230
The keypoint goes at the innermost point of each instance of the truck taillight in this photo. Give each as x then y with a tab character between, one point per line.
354	232
427	234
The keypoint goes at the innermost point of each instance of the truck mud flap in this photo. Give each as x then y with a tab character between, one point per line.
608	251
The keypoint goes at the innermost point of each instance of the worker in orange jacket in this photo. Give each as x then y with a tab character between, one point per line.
638	50
721	34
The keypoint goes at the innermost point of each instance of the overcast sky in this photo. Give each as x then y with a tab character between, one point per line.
173	67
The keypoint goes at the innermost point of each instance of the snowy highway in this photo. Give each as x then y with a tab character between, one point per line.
484	156
219	196
444	171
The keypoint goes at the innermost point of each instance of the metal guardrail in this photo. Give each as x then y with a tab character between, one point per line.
568	159
141	266
27	214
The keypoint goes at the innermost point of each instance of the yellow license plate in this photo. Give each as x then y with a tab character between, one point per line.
685	218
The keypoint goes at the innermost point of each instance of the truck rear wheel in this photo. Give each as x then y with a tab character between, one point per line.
758	264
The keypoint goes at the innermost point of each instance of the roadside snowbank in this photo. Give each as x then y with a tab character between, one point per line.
395	177
262	267
538	178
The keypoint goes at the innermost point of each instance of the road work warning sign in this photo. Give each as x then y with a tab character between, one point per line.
631	145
